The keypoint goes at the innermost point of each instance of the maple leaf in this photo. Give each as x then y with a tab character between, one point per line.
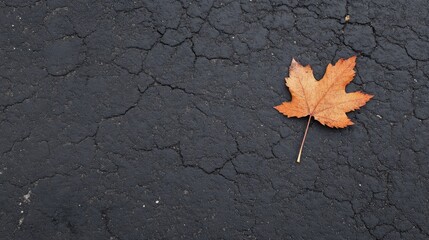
326	100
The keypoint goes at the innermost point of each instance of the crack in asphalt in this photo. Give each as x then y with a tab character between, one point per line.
155	119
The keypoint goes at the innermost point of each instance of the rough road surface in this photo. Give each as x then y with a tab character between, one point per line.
154	120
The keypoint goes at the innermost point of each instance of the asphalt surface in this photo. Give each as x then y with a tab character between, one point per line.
154	120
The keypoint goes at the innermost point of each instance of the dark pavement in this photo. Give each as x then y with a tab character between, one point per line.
128	120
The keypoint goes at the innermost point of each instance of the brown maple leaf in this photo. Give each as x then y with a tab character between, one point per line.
325	100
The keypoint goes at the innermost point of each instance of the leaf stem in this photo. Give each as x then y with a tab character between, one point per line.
303	140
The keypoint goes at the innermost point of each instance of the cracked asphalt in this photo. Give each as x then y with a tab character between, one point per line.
154	120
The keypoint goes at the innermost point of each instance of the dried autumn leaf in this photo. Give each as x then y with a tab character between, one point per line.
325	100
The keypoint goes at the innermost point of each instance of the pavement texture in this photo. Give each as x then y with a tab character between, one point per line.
154	120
